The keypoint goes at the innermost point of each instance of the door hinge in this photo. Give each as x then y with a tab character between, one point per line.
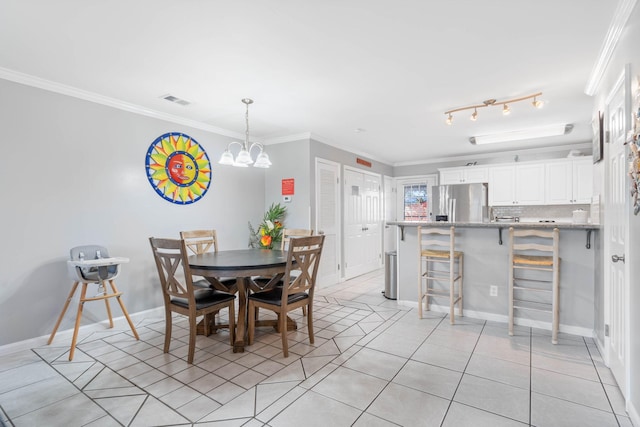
606	330
338	267
337	180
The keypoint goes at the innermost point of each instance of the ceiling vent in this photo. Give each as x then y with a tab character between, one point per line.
175	100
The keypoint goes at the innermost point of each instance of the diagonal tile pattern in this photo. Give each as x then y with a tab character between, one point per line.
373	363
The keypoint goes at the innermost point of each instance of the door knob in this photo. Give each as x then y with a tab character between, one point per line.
616	258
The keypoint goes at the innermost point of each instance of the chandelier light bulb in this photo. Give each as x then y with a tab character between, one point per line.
474	116
506	110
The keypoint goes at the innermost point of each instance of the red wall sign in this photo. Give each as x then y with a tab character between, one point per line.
287	186
363	162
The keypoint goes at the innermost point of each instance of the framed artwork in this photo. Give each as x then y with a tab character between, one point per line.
598	136
178	168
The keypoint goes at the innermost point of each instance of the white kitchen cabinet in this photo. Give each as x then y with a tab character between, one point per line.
464	175
518	184
583	180
569	182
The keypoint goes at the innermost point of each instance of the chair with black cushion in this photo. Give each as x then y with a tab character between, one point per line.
303	260
200	242
91	264
180	296
534	256
287	234
439	262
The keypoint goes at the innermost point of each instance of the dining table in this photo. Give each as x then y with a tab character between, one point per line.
244	265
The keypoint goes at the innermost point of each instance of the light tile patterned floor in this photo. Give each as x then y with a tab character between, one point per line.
374	363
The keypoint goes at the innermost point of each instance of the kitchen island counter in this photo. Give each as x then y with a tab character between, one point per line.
486	267
541	225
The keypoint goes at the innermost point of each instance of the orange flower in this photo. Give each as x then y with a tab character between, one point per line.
265	241
278	224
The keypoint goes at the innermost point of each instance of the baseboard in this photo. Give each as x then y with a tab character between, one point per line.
634	415
503	318
66	335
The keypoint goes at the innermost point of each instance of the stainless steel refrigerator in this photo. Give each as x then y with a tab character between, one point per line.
459	203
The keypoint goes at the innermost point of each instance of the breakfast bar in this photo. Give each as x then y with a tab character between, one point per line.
486	269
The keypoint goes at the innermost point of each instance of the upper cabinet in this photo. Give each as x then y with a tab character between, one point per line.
517	184
464	175
569	182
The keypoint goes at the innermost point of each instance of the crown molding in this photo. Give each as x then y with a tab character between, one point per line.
288	138
60	88
620	17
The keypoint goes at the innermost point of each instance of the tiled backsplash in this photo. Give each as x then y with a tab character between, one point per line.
539	212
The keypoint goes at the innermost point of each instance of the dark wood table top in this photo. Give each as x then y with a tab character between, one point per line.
239	260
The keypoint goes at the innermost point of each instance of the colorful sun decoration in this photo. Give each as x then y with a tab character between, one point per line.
178	168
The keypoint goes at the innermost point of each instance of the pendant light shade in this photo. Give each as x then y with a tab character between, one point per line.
244	159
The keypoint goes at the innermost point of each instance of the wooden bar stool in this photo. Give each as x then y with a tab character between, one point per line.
437	246
92	264
535	250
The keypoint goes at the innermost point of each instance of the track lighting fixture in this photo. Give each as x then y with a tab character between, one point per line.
449	119
492	102
536	103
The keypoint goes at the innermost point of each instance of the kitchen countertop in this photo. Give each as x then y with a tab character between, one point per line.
541	225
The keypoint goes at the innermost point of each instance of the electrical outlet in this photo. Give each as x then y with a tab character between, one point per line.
493	291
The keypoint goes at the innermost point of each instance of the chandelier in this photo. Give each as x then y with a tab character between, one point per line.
244	159
493	103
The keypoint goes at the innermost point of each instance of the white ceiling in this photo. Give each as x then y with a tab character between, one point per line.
325	67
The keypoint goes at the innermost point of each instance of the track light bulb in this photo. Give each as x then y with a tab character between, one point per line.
537	104
506	110
449	119
474	116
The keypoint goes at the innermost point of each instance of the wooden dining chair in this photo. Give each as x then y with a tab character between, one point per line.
303	260
180	296
199	242
287	234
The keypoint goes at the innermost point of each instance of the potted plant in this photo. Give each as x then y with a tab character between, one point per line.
269	233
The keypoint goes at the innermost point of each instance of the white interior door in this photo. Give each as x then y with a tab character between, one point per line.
390	231
328	220
616	283
362	224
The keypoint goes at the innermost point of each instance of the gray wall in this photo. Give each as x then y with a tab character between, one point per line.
74	174
290	160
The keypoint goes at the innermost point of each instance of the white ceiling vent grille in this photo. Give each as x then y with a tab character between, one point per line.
175	100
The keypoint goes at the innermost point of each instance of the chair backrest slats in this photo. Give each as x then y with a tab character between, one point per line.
200	241
437	238
303	259
173	268
536	242
288	233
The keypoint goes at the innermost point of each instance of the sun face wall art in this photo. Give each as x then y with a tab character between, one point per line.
178	168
